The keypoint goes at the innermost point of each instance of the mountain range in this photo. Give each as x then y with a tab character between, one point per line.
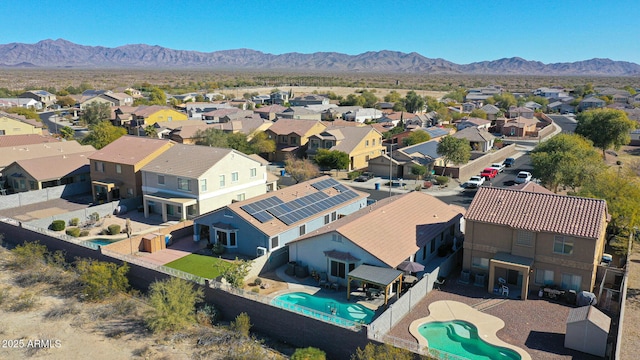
65	54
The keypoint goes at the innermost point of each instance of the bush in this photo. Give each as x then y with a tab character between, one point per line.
58	225
84	233
95	216
354	174
102	279
257	281
74	222
75	232
207	314
25	301
442	180
28	255
114	229
218	249
174	303
309	353
242	325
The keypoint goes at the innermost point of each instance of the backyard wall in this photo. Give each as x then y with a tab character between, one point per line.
177	231
474	167
37	196
83	214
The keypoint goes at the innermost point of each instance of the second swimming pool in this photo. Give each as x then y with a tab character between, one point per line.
327	309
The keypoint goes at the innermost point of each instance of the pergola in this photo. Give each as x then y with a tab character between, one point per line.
507	261
383	277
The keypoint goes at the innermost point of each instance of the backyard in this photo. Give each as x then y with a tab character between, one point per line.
208	267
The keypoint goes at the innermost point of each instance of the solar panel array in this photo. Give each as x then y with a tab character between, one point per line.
300	208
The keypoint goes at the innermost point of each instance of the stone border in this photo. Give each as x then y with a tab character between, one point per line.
487	325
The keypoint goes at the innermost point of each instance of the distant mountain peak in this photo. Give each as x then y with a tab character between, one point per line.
60	53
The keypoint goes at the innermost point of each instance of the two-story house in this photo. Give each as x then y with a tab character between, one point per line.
360	143
408	227
299	113
13	124
211	179
149	115
115	169
291	136
109	98
521	238
265	224
591	102
46	98
279	97
309	99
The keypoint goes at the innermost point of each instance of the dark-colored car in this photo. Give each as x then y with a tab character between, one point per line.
365	176
509	162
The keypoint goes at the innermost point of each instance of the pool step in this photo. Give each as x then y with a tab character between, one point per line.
488	304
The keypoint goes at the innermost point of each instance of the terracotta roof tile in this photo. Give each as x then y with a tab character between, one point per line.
26	139
56	167
293	126
539	212
129	150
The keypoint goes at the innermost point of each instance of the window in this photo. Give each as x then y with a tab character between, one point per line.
525	238
479	262
170	118
374	142
275	242
240	197
130	191
253	172
293	141
222	181
433	246
32	185
160	179
303	229
562	245
544	277
184	184
336	238
339	269
99	166
327	219
334	216
571	282
118	168
203	185
234	177
424	251
226	238
366	143
2	132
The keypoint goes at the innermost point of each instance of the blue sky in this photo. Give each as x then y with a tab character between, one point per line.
455	30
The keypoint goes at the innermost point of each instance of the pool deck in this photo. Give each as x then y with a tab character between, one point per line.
487	325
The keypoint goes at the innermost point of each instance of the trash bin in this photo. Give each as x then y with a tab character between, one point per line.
377	186
282	172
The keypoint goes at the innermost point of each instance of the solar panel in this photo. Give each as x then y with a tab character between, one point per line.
261	205
324	184
341	188
262	216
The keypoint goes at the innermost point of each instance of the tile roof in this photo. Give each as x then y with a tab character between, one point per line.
129	150
532	187
539	212
395	228
270	109
275	226
56	167
31	151
293	126
200	160
21	118
352	136
490	109
474	134
26	139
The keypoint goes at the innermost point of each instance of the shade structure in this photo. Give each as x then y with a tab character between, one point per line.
410	266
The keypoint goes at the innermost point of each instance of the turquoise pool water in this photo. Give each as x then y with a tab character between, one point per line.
103	242
346	314
461	338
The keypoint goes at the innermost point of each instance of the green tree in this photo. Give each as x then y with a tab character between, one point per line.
211	137
565	160
28	255
28	113
67	133
95	113
300	169
242	324
309	353
238	141
418	170
504	101
174	304
102	279
235	272
150	131
332	159
393	97
261	144
454	150
606	128
416	137
478	113
433	104
456	95
102	134
382	352
65	101
157	96
413	102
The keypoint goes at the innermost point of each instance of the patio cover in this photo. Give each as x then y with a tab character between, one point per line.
383	277
511	262
171	198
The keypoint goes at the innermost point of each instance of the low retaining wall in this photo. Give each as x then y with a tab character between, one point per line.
38	196
474	167
83	214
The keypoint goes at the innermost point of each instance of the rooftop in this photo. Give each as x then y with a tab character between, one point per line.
129	150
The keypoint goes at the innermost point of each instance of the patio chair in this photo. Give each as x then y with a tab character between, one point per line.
439	282
505	290
323	279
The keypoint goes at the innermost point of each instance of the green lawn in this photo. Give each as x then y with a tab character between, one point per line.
205	266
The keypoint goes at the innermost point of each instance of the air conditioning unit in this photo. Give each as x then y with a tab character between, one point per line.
260	251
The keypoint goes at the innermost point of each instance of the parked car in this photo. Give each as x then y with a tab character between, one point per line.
489	173
365	176
523	177
498	166
474	182
508	162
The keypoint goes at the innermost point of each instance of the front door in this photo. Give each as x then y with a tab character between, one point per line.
512	277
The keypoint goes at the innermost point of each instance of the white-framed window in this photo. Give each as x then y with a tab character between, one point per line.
571	282
184	184
562	245
544	277
99	166
366	143
118	168
275	242
226	237
341	269
222	182
203	185
334	216
253	172
327	219
374	142
160	179
525	238
480	262
240	197
234	177
303	229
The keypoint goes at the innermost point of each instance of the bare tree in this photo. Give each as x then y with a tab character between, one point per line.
300	169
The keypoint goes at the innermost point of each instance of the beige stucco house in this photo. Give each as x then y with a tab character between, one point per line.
291	136
360	143
13	124
530	239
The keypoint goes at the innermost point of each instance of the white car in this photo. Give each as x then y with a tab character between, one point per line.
498	166
475	182
523	177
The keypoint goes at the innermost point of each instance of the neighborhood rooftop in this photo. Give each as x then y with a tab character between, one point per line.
129	150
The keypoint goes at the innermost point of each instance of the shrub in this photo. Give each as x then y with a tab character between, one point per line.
58	225
25	301
4	294
29	254
75	232
114	229
173	302
218	249
242	324
207	314
354	174
102	279
95	216
84	233
74	222
442	180
255	290
257	281
309	353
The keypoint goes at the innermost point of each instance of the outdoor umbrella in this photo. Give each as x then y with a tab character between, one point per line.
410	266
